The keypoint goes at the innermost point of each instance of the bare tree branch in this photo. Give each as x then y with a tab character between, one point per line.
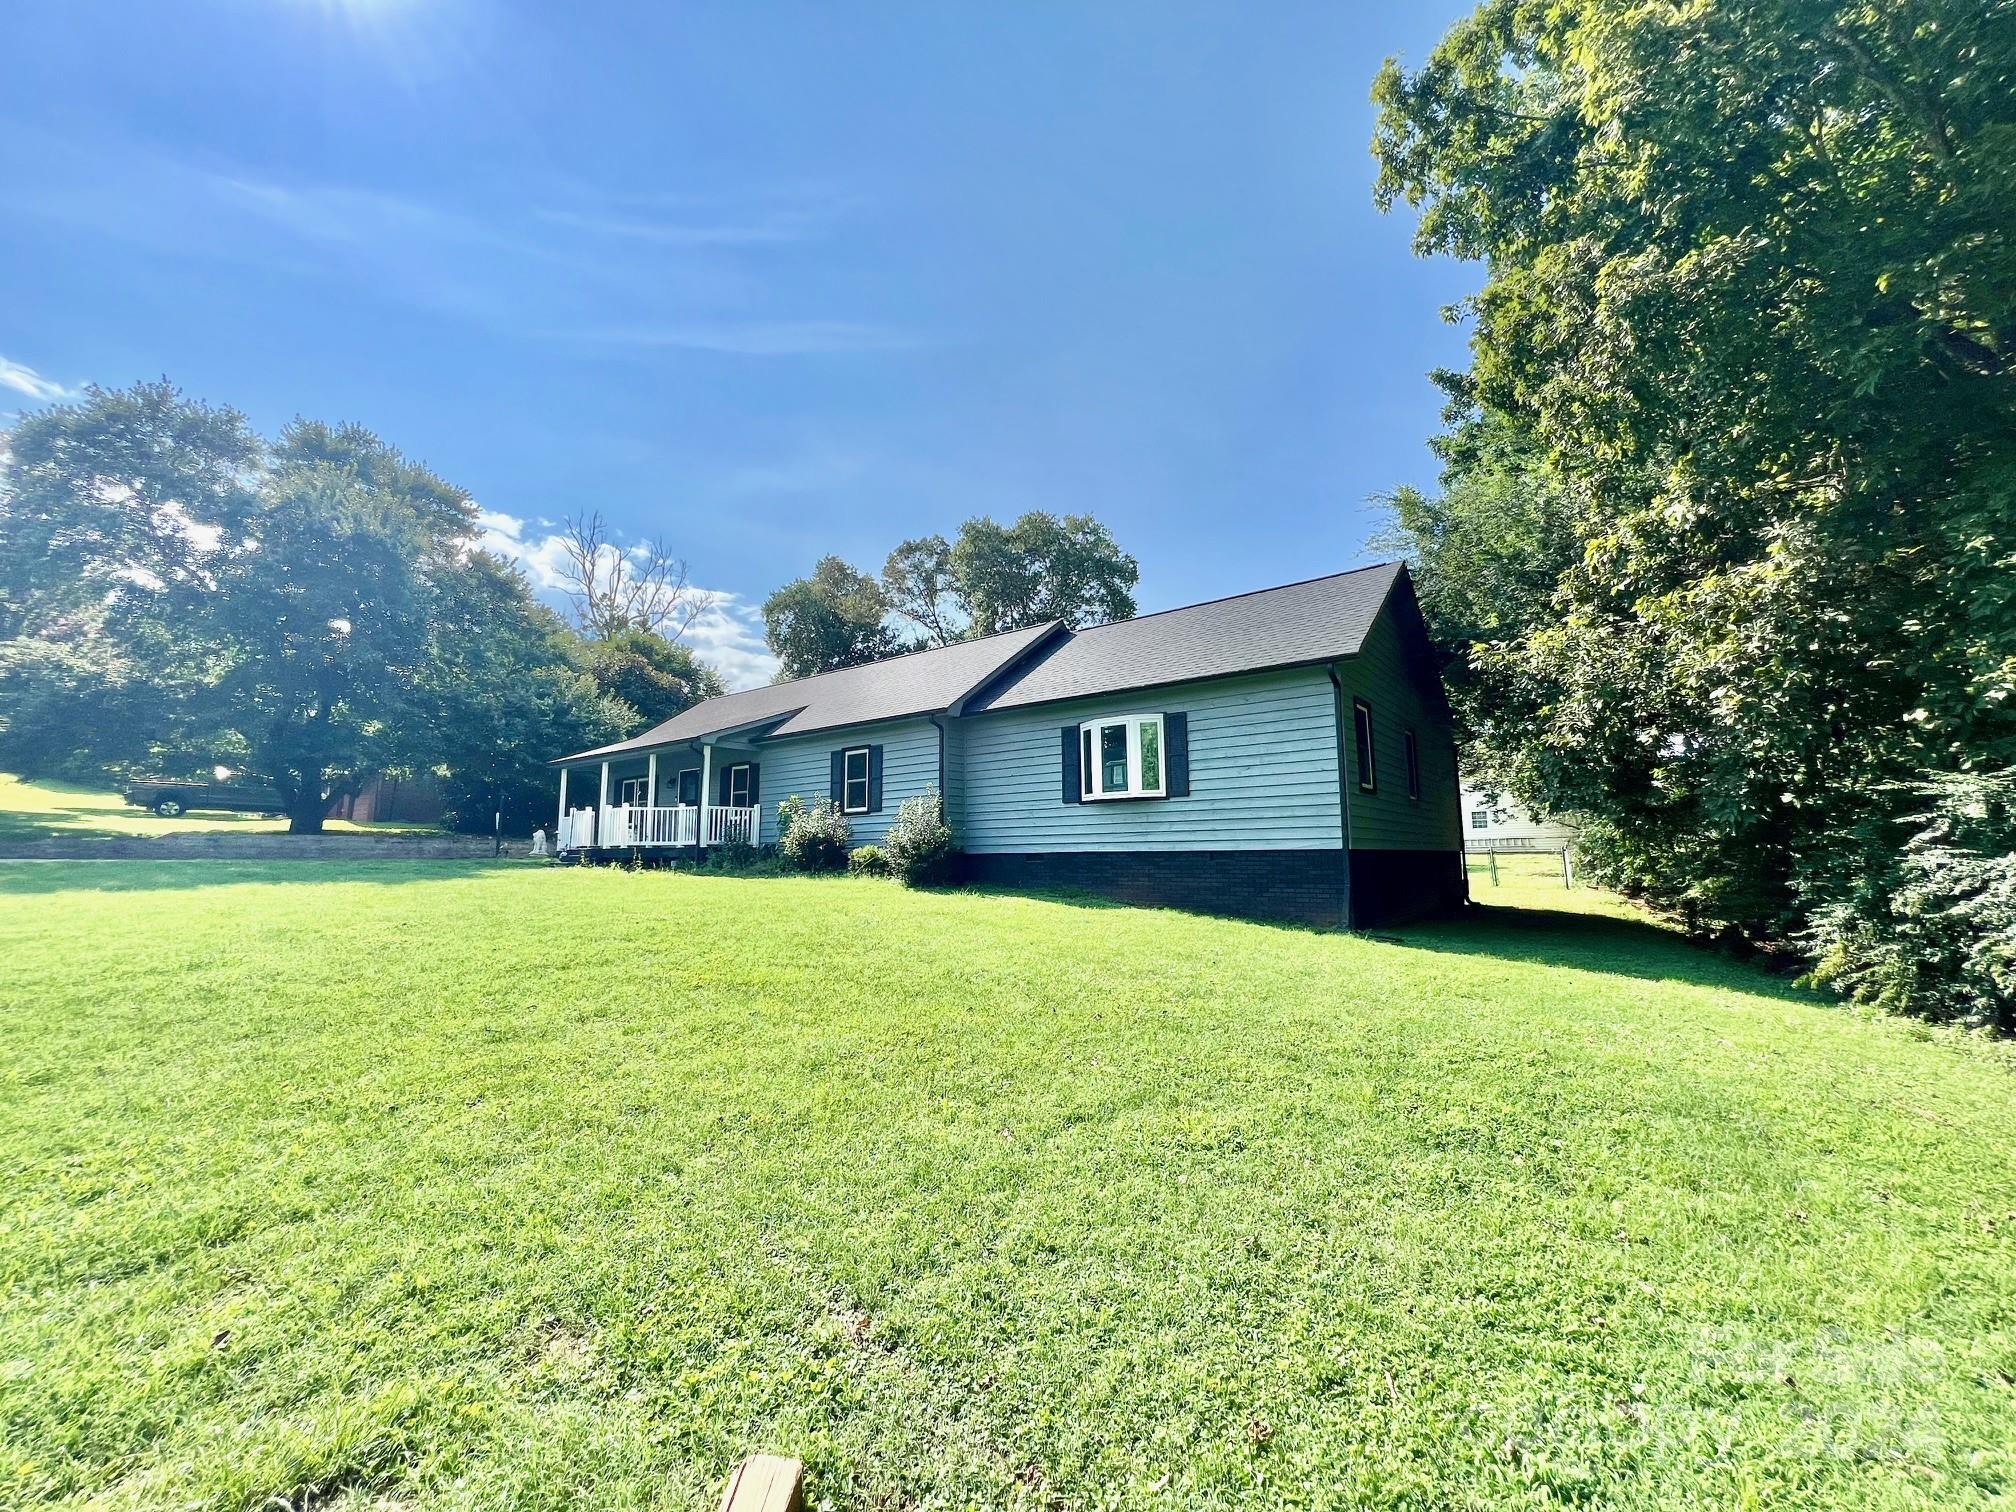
612	588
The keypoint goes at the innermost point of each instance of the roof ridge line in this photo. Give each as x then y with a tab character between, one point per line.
1321	577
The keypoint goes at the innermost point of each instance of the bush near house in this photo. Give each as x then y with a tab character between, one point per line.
919	840
813	837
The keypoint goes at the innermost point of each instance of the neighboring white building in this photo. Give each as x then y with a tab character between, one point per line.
1490	822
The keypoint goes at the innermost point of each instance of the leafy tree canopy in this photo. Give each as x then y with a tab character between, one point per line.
989	579
1042	568
505	687
829	620
1728	519
126	486
174	592
651	674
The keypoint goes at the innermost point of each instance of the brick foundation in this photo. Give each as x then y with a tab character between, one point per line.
1308	886
1305	885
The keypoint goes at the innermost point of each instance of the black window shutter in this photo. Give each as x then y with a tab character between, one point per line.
723	784
1176	755
874	779
755	794
1074	784
839	764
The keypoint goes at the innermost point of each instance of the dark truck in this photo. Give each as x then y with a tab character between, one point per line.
170	796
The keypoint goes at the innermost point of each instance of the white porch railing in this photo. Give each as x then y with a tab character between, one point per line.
637	825
727	825
624	826
576	831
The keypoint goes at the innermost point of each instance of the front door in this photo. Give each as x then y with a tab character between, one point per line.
634	792
689	785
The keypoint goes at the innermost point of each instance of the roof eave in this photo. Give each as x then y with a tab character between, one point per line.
699	737
1298	664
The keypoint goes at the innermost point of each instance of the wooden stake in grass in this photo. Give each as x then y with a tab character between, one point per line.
765	1483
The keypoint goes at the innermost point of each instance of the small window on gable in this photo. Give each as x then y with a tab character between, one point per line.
1413	766
1120	756
1361	723
1480	818
854	781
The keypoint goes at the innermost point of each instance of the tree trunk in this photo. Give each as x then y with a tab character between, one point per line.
306	806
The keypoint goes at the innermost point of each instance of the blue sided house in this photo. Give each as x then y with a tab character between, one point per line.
1285	753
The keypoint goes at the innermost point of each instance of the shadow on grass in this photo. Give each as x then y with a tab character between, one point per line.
1596	942
1638	948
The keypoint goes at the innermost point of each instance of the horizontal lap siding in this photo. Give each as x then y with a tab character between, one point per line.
955	785
803	765
1263	773
1388	819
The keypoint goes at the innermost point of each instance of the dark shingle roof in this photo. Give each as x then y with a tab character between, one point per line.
1297	625
923	682
1275	627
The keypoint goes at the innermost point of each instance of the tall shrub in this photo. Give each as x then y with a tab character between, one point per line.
919	841
813	837
1930	929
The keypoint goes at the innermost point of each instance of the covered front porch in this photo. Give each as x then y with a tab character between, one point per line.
669	800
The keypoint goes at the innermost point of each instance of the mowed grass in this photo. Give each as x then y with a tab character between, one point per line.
1532	880
42	808
408	1186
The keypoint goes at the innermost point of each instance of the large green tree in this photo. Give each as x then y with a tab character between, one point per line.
122	489
1746	333
1040	568
315	608
653	676
832	619
505	686
177	593
995	577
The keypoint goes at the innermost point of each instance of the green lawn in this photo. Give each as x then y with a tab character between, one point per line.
39	808
439	1186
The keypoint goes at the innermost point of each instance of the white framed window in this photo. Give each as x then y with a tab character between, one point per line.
738	785
634	792
1122	756
854	780
1480	818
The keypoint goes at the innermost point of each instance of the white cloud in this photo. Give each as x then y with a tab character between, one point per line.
23	379
540	555
730	636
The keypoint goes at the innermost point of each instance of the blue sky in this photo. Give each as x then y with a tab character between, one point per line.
771	280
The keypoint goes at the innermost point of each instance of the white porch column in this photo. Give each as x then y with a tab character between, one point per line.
706	788
651	781
602	806
563	809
